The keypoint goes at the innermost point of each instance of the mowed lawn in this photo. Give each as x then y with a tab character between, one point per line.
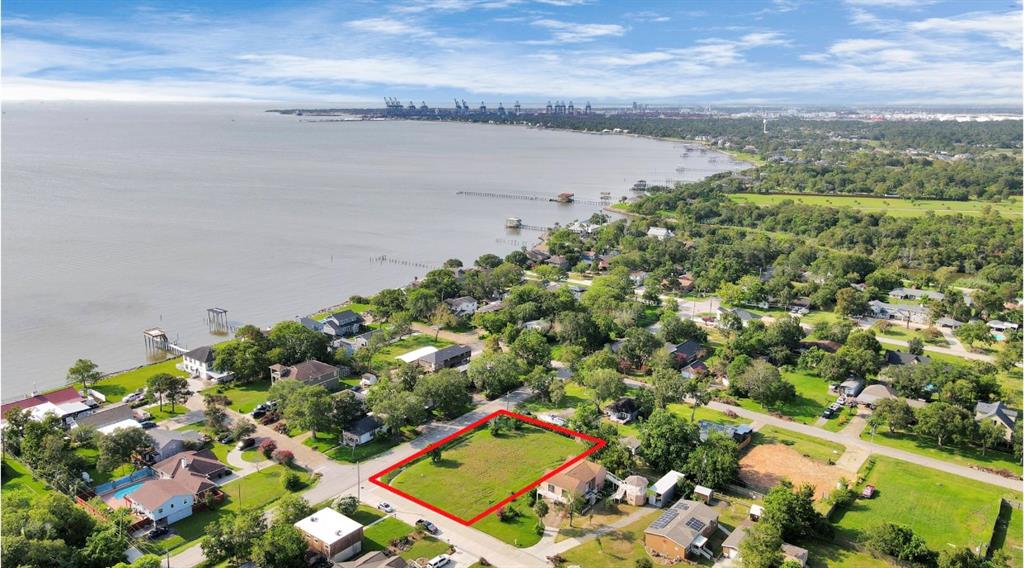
116	387
482	469
812	396
894	207
813	448
942	508
620	547
959	454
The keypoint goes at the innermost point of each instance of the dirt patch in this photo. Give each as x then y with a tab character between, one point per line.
764	466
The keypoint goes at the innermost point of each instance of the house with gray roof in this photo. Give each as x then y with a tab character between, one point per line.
915	294
447	358
915	313
343	324
997	412
905	358
682	530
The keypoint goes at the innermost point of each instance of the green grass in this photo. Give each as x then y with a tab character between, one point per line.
750	157
161	415
817	316
894	207
942	508
575	394
357	308
364	514
519	532
1008	535
841	420
245	397
381	534
386	357
704	413
963	455
486	468
253	455
256	490
812	396
426	547
16	476
91	455
364	452
621	547
116	387
823	554
813	448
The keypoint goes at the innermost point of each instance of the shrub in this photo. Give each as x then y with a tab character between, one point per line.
531	497
345	505
285	457
643	563
267	447
281	428
507	513
291	481
541	508
539	529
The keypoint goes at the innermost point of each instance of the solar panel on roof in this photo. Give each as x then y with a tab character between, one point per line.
664	519
695	524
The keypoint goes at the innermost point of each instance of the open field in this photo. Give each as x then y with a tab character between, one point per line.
116	387
764	465
942	508
963	455
1009	535
16	476
812	396
486	468
890	206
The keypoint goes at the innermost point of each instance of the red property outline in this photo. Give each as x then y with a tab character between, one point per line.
597	445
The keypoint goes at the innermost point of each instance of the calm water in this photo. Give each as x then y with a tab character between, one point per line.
121	218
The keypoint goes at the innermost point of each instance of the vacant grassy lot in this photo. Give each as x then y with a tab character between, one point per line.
894	207
704	413
1009	535
943	509
622	547
116	387
814	448
963	455
380	535
812	396
519	532
485	468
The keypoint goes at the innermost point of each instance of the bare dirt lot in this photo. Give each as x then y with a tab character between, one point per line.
764	466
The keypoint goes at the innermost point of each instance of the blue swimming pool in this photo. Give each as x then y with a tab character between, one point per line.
998	336
120	493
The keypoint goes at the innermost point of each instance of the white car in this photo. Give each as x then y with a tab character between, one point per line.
386	507
439	561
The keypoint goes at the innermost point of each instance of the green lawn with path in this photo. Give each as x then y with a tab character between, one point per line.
364	514
520	532
165	414
16	476
116	387
704	413
959	454
812	396
380	535
942	508
91	455
894	207
809	446
486	468
620	547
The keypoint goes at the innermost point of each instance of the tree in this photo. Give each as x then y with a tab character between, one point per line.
894	413
122	446
792	512
963	558
495	373
488	261
518	258
435	455
541	508
106	546
310	409
763	384
698	390
943	421
446	392
293	343
580	329
395	406
762	547
532	347
638	346
246	360
281	547
242	428
915	346
960	392
232	537
668	386
441	317
850	302
715	462
989	434
900	542
421	303
407	375
974	332
606	384
346	407
346	505
292	508
677	330
157	386
85	373
388	301
666	441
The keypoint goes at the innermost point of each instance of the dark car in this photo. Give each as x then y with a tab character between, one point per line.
147	424
828	413
157	532
246	443
259	413
427	526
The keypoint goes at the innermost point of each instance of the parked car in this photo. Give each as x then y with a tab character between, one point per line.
386	507
142	415
246	443
427	526
157	532
868	492
828	413
270	418
147	424
439	561
225	438
258	412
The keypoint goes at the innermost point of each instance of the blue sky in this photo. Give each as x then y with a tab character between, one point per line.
770	51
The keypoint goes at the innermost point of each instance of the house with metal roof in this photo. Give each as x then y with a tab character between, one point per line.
664	490
447	358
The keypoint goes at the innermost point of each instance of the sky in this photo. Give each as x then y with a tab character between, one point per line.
869	52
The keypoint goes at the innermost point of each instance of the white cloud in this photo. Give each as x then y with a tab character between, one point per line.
570	32
1005	28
